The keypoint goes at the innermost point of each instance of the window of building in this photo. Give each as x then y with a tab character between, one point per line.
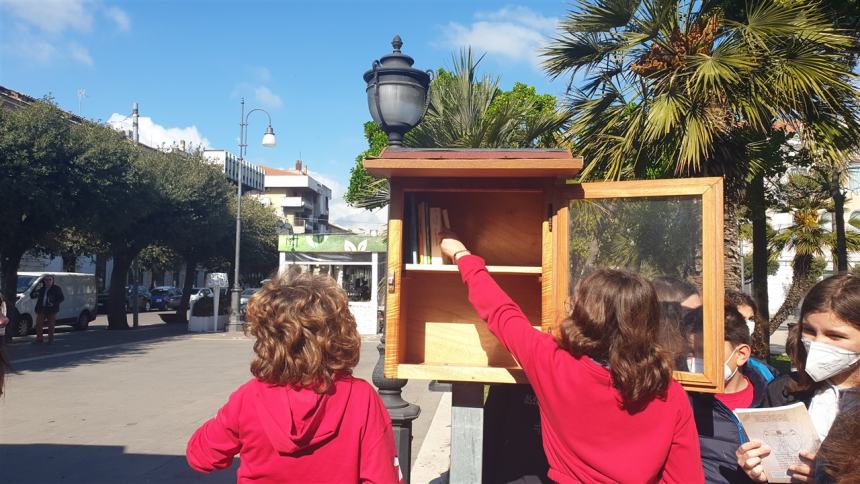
854	177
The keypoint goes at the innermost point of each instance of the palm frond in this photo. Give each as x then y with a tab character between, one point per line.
601	15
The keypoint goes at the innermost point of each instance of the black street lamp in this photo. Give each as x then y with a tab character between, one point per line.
397	94
398	97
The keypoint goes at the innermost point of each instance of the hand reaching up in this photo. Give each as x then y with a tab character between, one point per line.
452	248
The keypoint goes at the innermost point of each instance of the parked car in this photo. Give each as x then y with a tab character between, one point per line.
77	309
143	301
243	300
175	300
160	296
197	293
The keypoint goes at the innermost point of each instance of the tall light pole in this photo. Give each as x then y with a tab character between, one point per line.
269	142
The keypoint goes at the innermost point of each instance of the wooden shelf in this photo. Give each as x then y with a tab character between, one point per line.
512	270
436	371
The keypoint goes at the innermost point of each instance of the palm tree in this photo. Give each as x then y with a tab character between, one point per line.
468	111
809	236
673	88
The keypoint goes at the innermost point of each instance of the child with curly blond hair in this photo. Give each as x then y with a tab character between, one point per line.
303	417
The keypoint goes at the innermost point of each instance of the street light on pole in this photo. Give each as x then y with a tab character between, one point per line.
269	142
398	97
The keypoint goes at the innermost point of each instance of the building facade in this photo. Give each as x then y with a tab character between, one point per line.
252	175
297	198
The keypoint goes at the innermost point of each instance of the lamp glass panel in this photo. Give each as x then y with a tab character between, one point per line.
269	140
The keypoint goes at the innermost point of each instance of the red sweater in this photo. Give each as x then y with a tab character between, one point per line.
289	435
587	436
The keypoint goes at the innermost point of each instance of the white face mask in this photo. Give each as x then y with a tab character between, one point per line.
824	360
751	326
728	373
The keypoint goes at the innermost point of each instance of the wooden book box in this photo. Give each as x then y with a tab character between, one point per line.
514	209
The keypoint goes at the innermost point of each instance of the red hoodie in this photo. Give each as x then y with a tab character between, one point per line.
289	435
587	436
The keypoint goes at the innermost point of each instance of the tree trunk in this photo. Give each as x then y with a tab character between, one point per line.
187	284
801	281
117	297
101	271
732	255
758	214
70	262
9	264
839	219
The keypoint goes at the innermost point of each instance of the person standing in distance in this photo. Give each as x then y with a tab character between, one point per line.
48	297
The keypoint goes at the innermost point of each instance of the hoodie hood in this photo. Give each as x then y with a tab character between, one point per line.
296	420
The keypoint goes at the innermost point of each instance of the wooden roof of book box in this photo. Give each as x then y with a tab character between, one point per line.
473	163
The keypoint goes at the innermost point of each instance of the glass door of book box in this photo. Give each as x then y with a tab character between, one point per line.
444	337
669	231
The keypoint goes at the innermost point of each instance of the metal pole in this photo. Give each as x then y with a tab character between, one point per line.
467	433
235	324
402	413
136	303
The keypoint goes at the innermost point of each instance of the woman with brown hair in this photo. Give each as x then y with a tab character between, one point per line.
303	417
838	459
603	384
826	351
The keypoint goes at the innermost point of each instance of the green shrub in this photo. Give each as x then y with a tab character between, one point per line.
781	363
205	306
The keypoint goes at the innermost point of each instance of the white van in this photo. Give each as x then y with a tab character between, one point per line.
77	309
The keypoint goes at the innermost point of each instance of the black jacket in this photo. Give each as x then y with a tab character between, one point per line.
720	432
778	395
52	305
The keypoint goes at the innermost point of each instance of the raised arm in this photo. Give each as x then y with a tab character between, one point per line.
504	318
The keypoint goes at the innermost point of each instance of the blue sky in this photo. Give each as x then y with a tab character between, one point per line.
188	63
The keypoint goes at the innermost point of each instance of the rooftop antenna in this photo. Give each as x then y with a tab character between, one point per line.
134	122
82	93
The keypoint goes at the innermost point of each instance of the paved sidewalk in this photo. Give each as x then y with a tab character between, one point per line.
118	406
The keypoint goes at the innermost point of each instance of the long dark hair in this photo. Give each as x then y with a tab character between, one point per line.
839	294
615	318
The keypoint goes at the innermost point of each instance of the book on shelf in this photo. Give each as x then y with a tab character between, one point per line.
423	244
412	228
435	228
421	234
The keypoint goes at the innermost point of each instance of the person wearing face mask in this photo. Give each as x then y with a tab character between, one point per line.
746	379
745	305
826	352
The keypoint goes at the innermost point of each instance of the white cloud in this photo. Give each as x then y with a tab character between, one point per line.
263	73
53	16
42	28
155	135
262	95
350	217
80	54
38	51
119	17
267	98
517	33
